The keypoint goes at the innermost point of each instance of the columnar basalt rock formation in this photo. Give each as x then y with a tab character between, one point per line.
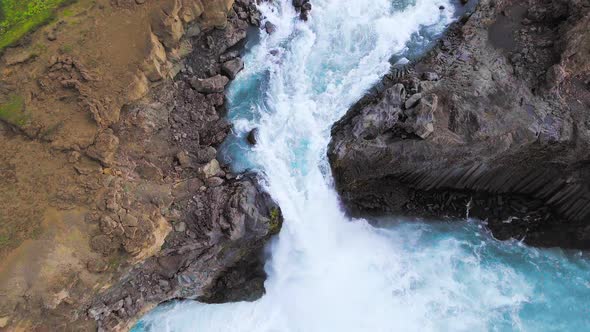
494	120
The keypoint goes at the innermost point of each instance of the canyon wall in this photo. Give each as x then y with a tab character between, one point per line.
493	123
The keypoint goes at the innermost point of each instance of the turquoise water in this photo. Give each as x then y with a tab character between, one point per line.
327	272
502	285
550	286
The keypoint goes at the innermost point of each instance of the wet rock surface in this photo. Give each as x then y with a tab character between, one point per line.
495	117
303	7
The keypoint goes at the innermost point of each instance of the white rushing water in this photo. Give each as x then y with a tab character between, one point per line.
329	273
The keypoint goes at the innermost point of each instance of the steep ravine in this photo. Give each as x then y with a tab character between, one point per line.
494	120
114	197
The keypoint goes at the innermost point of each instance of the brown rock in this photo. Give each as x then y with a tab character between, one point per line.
206	154
139	87
155	65
108	225
149	171
4	321
103	244
191	10
167	25
104	147
130	220
215	13
185	160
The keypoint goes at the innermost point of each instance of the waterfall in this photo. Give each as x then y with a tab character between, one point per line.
327	272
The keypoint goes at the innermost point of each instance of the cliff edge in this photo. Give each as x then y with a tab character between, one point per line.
494	122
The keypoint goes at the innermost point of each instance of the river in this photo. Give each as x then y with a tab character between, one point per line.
327	272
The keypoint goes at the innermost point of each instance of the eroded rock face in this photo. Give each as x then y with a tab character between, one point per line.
226	228
504	131
218	222
109	144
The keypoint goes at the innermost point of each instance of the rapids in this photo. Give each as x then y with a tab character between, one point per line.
327	272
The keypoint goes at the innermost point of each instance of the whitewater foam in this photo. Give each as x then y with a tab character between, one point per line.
327	272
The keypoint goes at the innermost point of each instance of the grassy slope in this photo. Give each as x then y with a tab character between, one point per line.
18	17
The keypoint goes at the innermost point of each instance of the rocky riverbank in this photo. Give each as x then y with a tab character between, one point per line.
494	122
111	117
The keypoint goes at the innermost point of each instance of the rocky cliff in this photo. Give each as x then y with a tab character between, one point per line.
494	121
113	200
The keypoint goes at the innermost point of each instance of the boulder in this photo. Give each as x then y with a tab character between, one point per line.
229	56
104	147
205	154
252	137
214	182
211	169
185	159
269	27
213	84
420	119
413	100
231	68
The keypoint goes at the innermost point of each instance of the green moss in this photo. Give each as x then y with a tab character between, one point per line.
276	220
13	111
19	17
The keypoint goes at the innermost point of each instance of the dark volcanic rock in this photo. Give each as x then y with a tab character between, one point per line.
231	68
253	136
507	135
213	84
269	27
304	7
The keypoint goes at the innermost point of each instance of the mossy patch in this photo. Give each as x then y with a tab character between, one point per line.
19	17
276	220
13	111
